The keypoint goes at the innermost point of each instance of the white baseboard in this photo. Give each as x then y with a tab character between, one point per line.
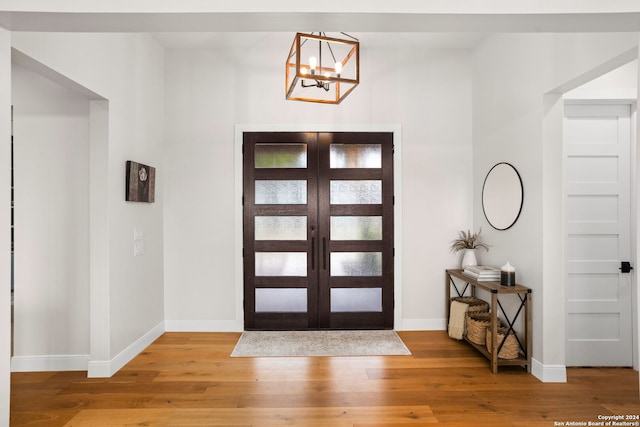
549	373
422	325
203	326
237	326
65	362
106	368
99	369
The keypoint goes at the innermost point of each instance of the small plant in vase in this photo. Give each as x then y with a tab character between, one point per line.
468	243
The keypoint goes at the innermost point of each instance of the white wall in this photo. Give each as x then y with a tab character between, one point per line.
621	83
127	71
5	218
503	106
51	158
452	6
512	74
427	92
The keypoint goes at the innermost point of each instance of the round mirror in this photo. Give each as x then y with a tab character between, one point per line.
502	196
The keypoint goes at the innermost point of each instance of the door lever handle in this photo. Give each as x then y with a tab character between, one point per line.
625	267
313	253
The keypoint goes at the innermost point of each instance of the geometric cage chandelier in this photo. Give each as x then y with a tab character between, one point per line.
322	69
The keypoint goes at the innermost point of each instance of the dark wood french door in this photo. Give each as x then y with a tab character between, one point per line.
318	230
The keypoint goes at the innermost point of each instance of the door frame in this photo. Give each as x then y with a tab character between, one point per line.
238	208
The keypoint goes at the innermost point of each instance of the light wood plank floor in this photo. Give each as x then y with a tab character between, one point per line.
188	379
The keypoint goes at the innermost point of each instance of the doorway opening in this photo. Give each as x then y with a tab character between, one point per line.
599	144
54	121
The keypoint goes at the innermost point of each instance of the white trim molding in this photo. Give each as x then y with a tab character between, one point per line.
203	326
396	129
549	373
63	362
106	368
422	325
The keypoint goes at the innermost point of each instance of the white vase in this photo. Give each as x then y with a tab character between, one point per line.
469	258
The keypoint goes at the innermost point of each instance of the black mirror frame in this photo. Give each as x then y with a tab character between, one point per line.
521	194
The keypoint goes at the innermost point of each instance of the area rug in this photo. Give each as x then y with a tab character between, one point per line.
319	343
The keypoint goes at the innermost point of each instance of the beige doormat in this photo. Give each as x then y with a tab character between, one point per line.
319	343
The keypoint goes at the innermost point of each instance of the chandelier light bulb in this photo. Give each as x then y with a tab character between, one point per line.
313	62
338	68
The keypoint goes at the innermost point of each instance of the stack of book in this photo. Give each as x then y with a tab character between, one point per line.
482	273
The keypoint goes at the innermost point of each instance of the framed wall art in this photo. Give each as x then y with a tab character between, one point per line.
141	180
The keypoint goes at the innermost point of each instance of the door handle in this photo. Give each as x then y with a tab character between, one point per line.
324	253
313	253
625	267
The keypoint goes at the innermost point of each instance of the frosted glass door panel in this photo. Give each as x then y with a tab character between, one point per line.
342	156
356	228
366	192
281	192
356	300
291	300
281	264
281	228
356	264
280	156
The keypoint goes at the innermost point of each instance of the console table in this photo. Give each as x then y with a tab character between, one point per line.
469	284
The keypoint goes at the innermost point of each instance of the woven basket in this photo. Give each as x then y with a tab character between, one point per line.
477	324
509	348
476	305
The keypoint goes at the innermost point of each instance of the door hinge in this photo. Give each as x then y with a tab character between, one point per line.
242	252
394	251
242	200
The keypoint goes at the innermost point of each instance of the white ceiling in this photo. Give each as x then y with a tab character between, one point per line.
377	40
439	16
209	24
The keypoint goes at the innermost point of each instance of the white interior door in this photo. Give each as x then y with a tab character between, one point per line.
597	142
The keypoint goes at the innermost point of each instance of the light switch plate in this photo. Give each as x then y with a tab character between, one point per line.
138	233
138	247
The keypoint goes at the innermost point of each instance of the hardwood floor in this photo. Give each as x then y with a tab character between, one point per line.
188	379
